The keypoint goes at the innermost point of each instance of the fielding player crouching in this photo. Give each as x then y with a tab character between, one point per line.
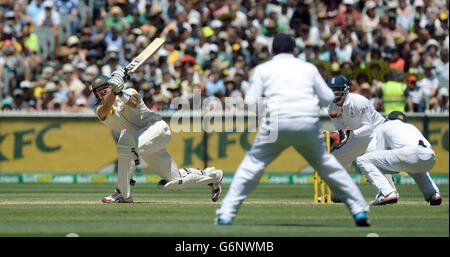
408	151
143	133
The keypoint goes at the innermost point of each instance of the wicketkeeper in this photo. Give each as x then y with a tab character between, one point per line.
143	133
356	121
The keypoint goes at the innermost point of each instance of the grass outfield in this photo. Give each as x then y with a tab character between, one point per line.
271	210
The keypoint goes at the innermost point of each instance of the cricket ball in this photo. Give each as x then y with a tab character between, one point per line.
333	114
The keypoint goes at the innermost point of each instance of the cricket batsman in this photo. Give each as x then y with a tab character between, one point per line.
400	147
356	121
143	133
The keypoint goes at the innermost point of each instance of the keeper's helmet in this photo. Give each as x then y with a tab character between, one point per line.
339	84
97	82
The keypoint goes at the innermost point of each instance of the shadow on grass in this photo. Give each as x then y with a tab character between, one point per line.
293	225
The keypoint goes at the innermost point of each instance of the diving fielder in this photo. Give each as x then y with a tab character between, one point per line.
356	120
409	151
143	133
294	90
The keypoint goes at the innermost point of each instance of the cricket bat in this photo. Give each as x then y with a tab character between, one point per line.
145	55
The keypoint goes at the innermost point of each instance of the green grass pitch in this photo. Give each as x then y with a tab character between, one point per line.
38	210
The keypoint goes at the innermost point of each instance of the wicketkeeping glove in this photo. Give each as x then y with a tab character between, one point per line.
335	140
345	134
117	80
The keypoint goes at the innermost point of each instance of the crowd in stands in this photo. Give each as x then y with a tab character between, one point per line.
395	52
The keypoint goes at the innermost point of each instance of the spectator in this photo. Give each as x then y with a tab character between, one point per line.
443	100
12	67
19	102
70	103
167	82
99	32
28	97
301	15
86	94
34	10
30	44
7	104
392	28
155	72
442	69
214	85
362	49
57	104
71	81
405	15
115	19
234	98
370	18
45	103
162	102
49	18
364	90
115	40
415	96
393	93
396	62
432	49
171	10
330	54
347	12
429	85
112	60
69	9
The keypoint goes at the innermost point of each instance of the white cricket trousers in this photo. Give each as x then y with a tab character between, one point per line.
417	161
150	143
353	148
305	135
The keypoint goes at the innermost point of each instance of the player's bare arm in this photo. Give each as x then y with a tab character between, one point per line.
107	98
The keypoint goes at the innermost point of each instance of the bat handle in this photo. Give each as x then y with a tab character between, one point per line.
127	73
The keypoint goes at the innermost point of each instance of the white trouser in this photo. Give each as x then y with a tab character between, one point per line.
358	146
416	160
304	134
152	143
353	148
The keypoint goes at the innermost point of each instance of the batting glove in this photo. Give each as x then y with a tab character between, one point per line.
120	72
117	80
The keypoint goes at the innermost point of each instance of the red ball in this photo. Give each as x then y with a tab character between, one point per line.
333	114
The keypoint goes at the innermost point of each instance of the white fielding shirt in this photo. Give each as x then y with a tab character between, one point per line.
358	114
292	88
396	134
121	116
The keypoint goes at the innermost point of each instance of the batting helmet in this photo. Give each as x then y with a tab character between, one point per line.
97	82
339	83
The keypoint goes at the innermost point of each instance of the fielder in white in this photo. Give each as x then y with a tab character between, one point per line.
356	120
294	90
143	133
409	151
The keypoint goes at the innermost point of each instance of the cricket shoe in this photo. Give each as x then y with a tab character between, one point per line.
216	188
117	198
219	221
435	199
361	219
392	197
